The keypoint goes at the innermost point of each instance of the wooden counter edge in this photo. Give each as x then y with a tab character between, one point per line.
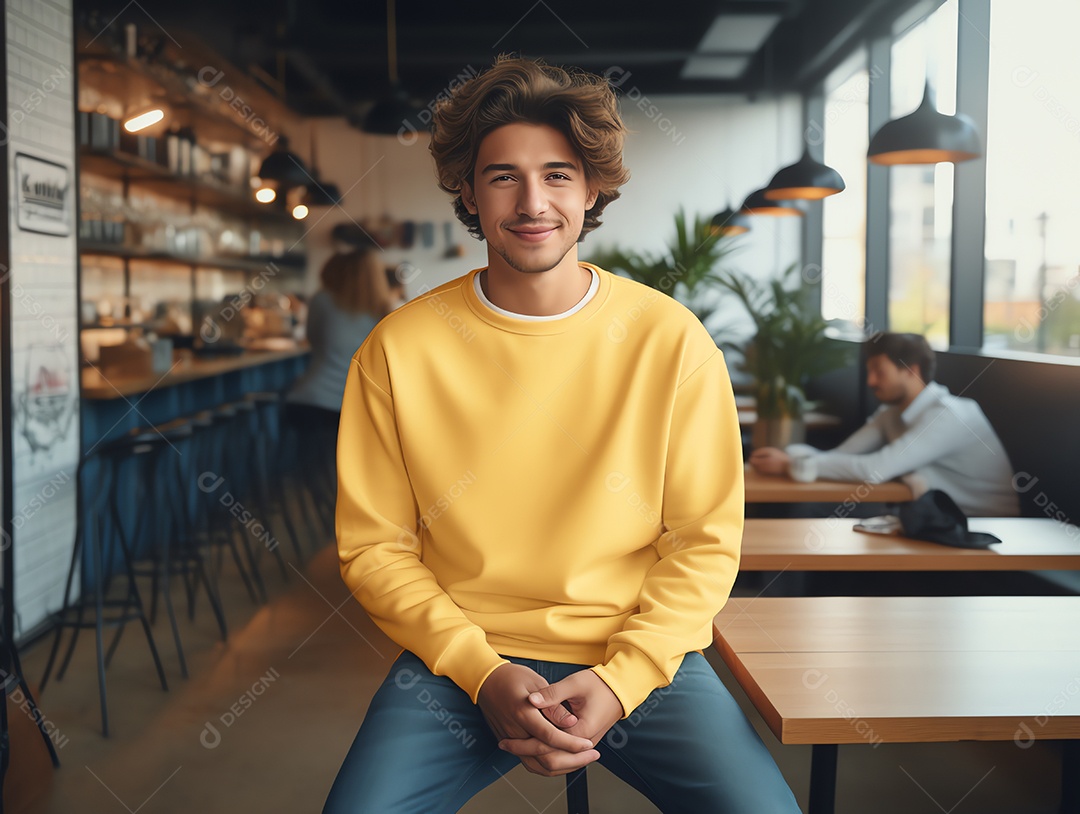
193	371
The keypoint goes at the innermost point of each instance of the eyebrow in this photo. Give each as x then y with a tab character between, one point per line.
551	165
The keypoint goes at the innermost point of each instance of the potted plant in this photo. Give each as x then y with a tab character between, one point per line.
788	347
687	265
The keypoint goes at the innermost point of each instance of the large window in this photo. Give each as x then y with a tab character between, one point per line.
843	248
920	197
1032	287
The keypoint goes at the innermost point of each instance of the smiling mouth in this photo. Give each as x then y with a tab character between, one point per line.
533	234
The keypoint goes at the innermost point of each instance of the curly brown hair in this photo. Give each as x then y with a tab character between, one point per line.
580	105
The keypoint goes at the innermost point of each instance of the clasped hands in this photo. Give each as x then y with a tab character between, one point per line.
530	720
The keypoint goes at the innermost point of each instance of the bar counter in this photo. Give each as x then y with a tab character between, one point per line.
113	405
186	368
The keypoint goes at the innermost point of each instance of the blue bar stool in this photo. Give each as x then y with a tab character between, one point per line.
269	451
212	526
101	540
247	470
164	530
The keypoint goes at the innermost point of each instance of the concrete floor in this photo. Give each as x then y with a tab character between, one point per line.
265	718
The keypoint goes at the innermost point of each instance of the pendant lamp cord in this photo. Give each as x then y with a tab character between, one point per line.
391	41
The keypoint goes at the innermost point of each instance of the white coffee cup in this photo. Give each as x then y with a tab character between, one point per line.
803	467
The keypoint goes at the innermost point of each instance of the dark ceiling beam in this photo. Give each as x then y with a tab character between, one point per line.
574	57
320	83
858	20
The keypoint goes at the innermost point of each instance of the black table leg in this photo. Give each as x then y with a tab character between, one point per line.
577	792
823	778
1070	778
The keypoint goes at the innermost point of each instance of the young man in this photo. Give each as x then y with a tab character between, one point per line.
921	432
541	493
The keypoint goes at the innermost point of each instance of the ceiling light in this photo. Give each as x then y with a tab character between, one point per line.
322	194
318	192
757	204
806	179
729	223
284	167
144	120
395	111
925	137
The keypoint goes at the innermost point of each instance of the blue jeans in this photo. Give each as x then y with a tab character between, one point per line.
425	748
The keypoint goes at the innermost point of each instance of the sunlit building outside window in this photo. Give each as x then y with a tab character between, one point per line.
921	196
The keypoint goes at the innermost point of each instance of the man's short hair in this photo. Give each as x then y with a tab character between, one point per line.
580	105
903	350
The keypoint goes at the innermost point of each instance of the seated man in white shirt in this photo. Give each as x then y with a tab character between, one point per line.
922	434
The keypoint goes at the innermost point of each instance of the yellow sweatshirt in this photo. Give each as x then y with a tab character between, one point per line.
565	490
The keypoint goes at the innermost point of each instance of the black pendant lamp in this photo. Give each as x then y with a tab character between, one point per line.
925	137
319	192
395	113
729	223
806	179
757	204
284	167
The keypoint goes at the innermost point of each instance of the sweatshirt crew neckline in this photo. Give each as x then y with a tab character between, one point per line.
558	323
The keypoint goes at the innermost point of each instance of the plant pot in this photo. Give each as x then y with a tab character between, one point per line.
778	432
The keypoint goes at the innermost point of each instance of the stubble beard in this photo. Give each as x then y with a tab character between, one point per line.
535	267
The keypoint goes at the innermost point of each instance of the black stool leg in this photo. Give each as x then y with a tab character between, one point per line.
133	593
577	792
99	610
75	558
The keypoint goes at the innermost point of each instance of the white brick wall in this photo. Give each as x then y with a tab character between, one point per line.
44	312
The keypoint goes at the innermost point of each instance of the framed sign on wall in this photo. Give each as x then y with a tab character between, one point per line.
45	199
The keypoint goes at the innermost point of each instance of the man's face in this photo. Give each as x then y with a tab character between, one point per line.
530	192
889	383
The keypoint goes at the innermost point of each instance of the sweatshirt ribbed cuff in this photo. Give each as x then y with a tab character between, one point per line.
631	675
468	661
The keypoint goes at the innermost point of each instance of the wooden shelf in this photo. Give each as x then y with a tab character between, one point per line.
127	78
209	192
295	263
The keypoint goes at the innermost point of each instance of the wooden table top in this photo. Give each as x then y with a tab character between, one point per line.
812	420
907	669
186	368
782	489
830	544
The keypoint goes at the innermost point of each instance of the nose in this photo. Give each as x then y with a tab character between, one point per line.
532	200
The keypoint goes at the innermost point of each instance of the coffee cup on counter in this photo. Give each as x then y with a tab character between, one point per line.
803	466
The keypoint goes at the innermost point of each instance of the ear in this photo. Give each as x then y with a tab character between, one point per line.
467	198
590	201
